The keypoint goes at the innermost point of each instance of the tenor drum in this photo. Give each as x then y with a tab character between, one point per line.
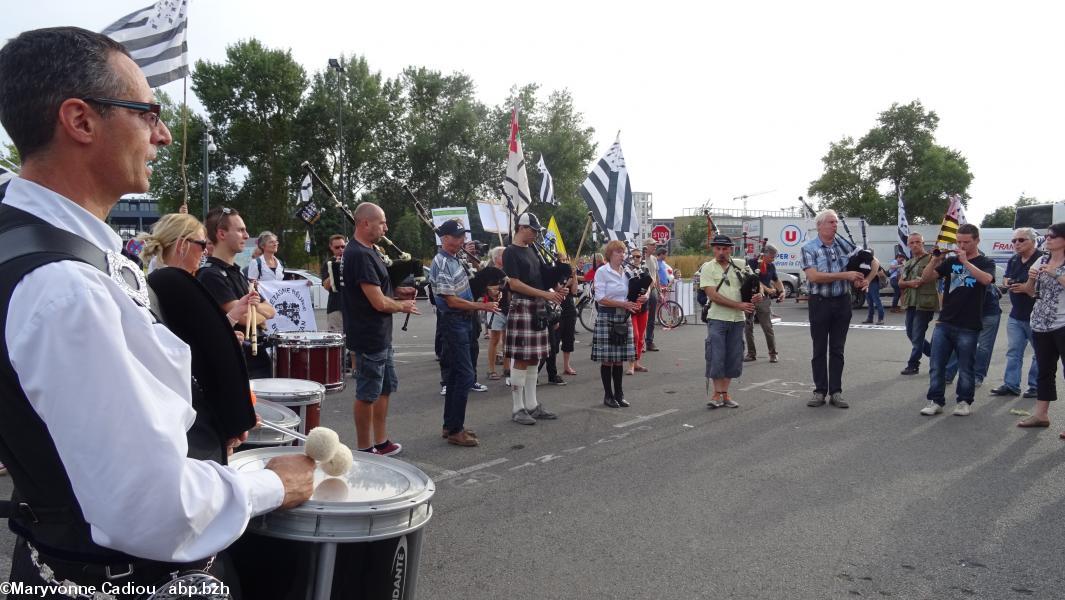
359	536
278	415
314	355
303	397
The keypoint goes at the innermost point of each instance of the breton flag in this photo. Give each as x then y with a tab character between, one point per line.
155	39
608	195
305	189
904	227
554	237
547	184
516	183
948	231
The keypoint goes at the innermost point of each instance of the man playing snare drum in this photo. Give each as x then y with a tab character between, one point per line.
94	393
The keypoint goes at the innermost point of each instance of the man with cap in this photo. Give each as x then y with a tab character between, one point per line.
652	303
456	314
722	279
526	339
824	262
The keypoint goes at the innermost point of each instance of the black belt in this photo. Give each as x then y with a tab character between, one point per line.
85	573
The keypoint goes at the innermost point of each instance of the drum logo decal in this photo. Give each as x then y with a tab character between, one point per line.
293	306
399	570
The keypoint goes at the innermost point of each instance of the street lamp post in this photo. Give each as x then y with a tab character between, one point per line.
335	65
208	149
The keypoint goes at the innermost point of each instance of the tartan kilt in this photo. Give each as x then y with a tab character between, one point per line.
522	342
602	349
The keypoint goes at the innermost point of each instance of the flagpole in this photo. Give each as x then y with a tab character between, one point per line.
584	234
184	142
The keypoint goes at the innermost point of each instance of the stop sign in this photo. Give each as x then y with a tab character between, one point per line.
660	234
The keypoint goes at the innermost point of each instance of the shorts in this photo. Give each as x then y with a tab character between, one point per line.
497	322
335	321
375	375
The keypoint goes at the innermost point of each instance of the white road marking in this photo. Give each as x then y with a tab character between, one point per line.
642	418
756	385
447	474
853	326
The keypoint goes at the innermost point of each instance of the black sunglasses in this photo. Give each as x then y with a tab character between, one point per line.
148	109
1019	240
200	243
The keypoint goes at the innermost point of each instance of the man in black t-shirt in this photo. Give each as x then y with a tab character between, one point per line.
332	280
525	343
227	285
367	300
966	275
770	288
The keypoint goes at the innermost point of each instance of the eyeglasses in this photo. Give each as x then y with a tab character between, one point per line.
1019	240
226	210
200	243
148	110
1051	236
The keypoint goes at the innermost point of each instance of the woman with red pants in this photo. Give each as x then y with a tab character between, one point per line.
639	319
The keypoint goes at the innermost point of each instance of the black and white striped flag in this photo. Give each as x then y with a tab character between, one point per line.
155	39
547	184
305	189
608	195
904	227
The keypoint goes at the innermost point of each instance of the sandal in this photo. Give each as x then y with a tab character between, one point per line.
569	372
493	376
714	401
630	372
1034	421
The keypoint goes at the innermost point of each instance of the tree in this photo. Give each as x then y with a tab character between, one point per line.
252	100
863	179
693	237
1003	216
9	158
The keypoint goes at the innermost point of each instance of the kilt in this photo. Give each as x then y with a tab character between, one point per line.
522	342
602	349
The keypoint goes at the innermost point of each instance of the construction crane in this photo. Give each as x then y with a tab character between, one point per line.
746	196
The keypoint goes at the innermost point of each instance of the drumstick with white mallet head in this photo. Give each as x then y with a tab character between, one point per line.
253	323
323	445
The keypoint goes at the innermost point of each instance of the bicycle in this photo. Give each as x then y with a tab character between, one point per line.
670	312
587	308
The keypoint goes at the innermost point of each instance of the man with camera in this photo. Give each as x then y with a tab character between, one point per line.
456	316
966	274
526	338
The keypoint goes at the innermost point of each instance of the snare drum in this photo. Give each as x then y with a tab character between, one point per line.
303	397
314	355
359	536
276	414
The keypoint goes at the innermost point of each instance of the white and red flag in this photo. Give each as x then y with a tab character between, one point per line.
516	183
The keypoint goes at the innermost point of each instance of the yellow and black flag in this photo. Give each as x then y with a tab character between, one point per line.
948	231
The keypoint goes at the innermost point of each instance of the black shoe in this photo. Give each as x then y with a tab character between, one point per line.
556	380
622	402
1030	394
1004	391
652	348
909	371
610	402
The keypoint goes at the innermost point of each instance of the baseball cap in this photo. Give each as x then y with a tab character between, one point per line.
529	220
451	227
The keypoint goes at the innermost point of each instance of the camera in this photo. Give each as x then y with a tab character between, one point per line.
943	253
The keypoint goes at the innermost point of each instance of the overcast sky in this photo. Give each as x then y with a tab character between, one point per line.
712	102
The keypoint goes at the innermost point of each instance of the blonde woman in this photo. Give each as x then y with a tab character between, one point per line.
220	392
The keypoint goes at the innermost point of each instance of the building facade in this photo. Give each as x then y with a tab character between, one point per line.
133	215
644	210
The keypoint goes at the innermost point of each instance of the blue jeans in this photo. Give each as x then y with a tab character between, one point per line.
916	327
985	344
897	293
946	340
1018	337
875	303
457	335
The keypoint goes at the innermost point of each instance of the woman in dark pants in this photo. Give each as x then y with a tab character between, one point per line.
1046	281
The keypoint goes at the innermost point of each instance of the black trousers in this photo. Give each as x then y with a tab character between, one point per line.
1049	350
830	318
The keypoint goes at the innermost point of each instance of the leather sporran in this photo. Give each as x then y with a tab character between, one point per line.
619	333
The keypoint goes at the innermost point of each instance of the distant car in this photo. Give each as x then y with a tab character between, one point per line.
319	295
790	283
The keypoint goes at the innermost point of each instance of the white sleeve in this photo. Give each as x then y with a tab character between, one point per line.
253	269
112	389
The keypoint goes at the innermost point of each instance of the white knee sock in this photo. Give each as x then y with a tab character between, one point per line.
517	388
530	387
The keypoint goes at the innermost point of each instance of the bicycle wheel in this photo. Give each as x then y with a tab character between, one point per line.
670	314
586	312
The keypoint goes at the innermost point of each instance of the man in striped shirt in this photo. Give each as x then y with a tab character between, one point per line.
824	261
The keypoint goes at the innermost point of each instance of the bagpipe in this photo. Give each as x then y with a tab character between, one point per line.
640	279
480	279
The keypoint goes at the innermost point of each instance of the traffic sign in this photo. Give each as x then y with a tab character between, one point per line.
661	234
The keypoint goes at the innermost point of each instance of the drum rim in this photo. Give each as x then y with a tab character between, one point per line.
291	339
273	395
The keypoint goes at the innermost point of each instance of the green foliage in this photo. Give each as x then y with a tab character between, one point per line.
899	153
693	238
9	158
1003	216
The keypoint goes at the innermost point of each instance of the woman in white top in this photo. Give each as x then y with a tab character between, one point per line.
612	341
1046	281
267	267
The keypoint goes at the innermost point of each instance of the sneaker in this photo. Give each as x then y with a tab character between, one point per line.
462	438
522	416
909	371
1030	393
715	404
479	387
838	401
556	380
749	358
962	410
817	399
931	409
729	403
542	413
443	390
773	358
387	448
1003	390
